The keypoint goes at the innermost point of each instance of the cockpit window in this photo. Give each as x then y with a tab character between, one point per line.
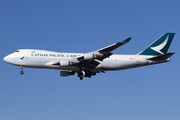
17	51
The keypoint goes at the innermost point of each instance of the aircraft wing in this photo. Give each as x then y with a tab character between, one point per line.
102	53
112	47
89	60
88	64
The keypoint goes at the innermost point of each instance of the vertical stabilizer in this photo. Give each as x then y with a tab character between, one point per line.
160	46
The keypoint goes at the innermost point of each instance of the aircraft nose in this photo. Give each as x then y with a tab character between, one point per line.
5	58
8	59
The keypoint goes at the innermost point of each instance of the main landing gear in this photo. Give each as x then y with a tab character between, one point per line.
21	72
81	78
82	74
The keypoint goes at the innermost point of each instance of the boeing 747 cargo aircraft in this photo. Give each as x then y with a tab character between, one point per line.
88	64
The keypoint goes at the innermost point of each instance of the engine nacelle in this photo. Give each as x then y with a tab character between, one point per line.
64	63
66	73
88	56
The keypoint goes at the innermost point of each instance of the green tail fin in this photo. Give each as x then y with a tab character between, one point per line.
160	46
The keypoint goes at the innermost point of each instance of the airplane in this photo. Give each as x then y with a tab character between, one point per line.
89	64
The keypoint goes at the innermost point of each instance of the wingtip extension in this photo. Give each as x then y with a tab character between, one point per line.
127	40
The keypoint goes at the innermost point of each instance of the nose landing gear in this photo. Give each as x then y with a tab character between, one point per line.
21	72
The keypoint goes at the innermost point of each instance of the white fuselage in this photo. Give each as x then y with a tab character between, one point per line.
44	59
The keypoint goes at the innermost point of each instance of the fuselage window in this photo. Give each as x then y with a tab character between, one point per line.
17	51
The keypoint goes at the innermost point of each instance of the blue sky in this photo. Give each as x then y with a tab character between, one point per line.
150	92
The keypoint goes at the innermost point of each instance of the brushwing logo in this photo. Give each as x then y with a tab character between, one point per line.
161	46
22	58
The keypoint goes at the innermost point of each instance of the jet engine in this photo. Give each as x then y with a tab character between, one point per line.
64	63
66	73
88	56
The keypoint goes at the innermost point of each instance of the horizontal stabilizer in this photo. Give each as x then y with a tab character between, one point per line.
162	57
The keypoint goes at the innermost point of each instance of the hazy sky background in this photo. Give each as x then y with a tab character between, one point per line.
146	93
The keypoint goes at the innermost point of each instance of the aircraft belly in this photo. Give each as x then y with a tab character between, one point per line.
120	64
114	65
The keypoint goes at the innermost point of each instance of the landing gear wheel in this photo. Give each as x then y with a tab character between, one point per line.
21	72
81	78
